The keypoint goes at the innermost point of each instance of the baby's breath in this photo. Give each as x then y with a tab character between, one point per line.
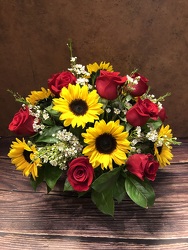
138	131
152	135
82	81
66	148
108	110
117	111
79	70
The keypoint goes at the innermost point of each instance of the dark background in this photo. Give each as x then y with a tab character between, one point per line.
149	35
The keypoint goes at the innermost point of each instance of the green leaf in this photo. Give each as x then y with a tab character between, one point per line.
104	201
141	192
51	175
39	179
53	113
128	98
48	189
77	131
48	122
47	137
128	127
119	192
80	194
106	180
155	124
67	186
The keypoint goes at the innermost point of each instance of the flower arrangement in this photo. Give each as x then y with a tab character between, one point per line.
98	132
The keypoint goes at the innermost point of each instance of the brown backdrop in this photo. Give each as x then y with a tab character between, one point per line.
150	35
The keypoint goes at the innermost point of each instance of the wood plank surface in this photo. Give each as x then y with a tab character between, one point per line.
36	220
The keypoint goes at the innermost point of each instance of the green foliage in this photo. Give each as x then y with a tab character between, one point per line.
49	122
128	127
155	124
119	192
108	187
141	192
49	174
114	185
18	97
105	189
46	136
106	180
39	179
53	113
67	186
104	201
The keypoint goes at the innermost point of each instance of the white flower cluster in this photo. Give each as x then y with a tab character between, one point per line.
66	148
79	71
165	141
108	110
159	105
39	116
132	81
152	97
139	137
117	111
152	135
139	132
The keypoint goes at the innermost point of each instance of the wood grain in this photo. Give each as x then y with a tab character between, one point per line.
36	220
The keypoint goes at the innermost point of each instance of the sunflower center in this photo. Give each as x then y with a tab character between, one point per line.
105	143
26	155
78	107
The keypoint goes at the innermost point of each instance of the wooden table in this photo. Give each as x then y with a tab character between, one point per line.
36	220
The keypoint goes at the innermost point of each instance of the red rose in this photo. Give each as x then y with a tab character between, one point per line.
139	114
22	123
60	80
107	84
80	174
142	165
162	114
140	88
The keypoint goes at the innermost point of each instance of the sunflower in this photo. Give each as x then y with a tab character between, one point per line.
106	143
95	67
37	96
77	105
162	147
24	157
